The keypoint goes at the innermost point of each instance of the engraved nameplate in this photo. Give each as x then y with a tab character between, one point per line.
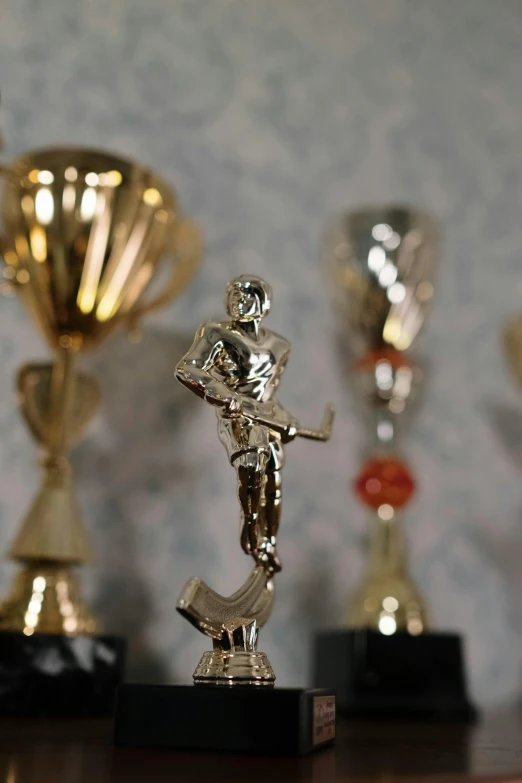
324	719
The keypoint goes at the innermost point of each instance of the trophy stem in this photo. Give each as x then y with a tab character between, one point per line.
52	537
61	401
387	599
387	547
53	528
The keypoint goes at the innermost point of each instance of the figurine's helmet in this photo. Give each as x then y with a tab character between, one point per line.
248	298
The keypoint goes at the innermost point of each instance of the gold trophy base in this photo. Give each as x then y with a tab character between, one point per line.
234	667
387	604
45	598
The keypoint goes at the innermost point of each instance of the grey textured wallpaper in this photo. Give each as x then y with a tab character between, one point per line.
268	117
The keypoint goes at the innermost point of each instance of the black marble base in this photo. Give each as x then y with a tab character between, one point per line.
241	719
398	676
49	675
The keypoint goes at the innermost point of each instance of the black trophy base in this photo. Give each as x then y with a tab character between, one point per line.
399	676
241	719
50	675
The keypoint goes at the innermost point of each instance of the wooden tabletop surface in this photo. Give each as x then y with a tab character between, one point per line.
81	752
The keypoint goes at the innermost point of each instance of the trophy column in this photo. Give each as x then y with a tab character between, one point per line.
52	538
386	662
84	233
387	599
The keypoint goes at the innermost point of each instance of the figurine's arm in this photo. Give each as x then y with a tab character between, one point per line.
194	371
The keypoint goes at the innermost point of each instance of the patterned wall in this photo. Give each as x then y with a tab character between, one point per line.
268	117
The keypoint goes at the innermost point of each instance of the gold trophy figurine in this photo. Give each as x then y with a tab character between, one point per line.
84	234
386	662
236	366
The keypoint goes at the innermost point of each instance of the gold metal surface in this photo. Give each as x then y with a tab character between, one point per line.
512	336
387	598
382	263
84	237
57	404
236	366
85	233
46	597
237	667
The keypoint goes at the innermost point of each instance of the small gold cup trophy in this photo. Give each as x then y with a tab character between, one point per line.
84	233
387	663
236	366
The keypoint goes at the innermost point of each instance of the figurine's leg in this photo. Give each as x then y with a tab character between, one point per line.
251	478
274	498
271	510
272	515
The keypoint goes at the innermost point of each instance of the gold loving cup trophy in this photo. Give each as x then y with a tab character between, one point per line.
381	262
236	366
84	234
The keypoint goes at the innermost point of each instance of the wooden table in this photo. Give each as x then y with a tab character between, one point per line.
81	752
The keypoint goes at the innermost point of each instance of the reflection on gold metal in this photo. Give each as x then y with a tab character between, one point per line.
11	776
45	177
45	597
382	263
383	275
113	179
81	249
71	174
88	204
387	598
236	366
152	197
43	206
38	244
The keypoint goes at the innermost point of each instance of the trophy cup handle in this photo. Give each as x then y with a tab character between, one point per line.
9	170
185	246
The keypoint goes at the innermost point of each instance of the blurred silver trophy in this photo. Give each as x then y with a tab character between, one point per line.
382	263
385	662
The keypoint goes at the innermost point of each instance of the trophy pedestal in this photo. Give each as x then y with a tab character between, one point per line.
233	719
399	676
52	675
